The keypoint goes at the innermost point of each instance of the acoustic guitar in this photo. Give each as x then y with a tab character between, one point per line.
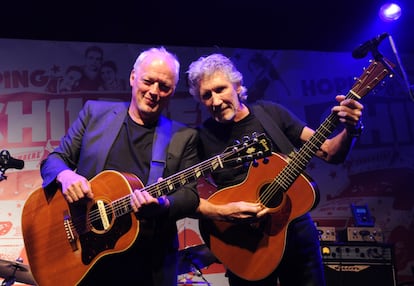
63	241
254	250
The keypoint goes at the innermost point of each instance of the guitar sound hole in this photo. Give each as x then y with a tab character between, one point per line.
270	199
95	218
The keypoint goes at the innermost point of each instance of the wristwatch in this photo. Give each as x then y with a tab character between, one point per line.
357	130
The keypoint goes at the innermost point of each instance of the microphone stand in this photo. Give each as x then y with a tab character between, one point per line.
379	57
9	280
194	268
7	162
2	176
404	74
12	278
3	167
199	273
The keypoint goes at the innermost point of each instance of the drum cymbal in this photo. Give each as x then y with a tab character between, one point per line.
21	272
195	258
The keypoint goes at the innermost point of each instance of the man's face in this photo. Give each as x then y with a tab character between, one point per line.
220	96
93	61
152	85
71	80
108	74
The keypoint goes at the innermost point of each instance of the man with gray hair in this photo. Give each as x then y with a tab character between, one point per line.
123	136
215	82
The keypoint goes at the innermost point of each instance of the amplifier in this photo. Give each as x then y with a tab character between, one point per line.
361	252
326	233
366	234
358	264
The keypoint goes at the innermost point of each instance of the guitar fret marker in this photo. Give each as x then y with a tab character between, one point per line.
219	160
197	172
216	163
183	180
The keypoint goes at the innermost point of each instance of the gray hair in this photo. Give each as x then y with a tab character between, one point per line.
162	52
207	66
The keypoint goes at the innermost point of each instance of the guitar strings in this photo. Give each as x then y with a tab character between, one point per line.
298	163
122	205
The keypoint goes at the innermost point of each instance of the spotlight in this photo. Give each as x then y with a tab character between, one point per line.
390	12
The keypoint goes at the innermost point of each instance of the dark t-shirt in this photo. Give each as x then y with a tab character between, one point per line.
136	141
215	137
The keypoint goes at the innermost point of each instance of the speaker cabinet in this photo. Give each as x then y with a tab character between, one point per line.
358	264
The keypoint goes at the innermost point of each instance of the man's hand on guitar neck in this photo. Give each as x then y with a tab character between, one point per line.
348	110
145	205
74	186
240	211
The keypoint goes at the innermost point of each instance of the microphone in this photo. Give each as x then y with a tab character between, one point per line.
361	51
8	162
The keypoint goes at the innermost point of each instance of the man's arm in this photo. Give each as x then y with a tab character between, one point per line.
336	149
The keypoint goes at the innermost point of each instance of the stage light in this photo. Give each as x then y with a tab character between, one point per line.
390	12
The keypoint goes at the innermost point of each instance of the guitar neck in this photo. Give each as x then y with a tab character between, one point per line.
247	151
168	185
302	157
186	176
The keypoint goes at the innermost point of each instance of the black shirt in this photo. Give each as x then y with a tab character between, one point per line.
132	149
215	137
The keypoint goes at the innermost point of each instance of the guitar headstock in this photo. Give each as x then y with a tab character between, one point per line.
255	147
371	77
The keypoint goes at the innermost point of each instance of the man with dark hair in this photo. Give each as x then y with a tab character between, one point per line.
91	79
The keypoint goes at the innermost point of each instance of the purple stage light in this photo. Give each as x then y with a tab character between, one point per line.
390	12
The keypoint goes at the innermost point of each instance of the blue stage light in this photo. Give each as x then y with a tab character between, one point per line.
390	12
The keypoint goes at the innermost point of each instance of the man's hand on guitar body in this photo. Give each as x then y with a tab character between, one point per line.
74	186
235	212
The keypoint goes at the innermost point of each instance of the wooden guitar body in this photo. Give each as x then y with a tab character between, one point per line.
62	243
253	250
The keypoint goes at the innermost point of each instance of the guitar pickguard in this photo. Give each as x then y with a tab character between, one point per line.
94	244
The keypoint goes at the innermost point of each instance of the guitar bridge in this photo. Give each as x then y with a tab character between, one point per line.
71	234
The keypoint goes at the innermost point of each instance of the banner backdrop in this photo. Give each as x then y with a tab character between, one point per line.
41	94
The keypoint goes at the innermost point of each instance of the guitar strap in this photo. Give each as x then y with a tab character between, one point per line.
160	143
273	129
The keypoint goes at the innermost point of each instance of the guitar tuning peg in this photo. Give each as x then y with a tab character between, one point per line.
246	138
265	160
236	142
255	163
